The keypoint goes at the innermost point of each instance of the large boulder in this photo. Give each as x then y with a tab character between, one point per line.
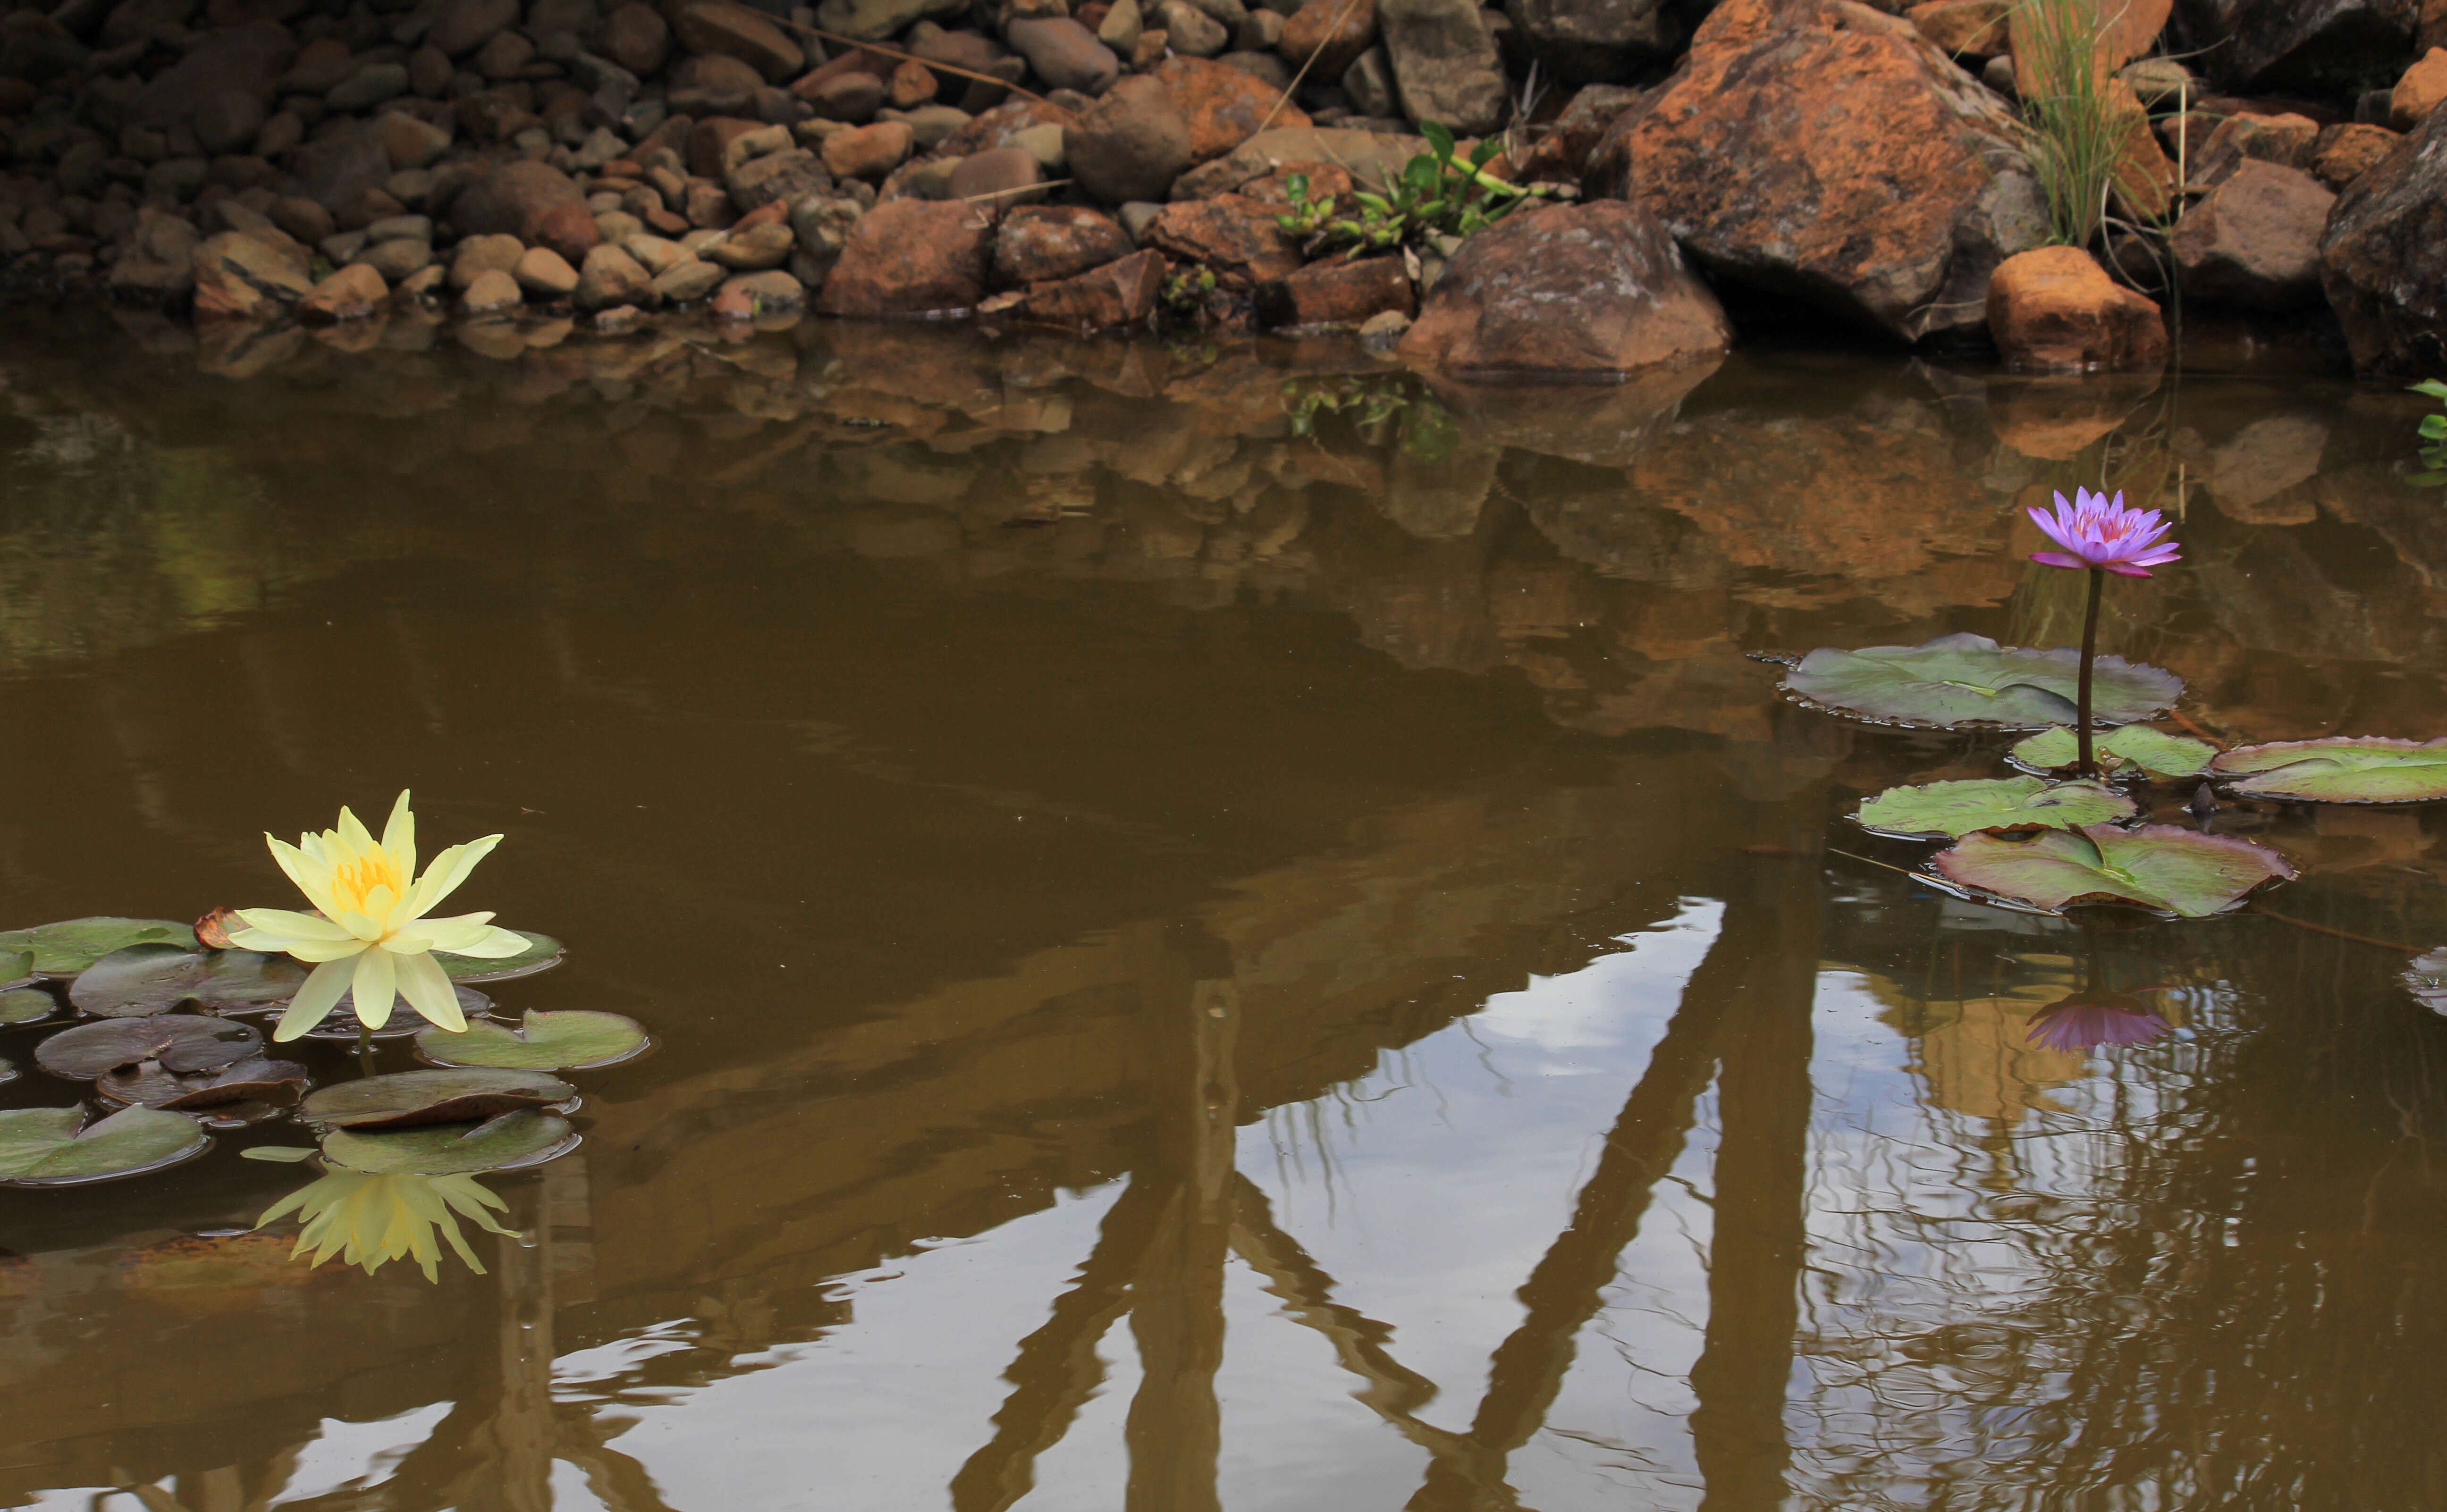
1445	64
2383	258
1235	236
1121	292
2312	45
2055	310
912	257
1372	159
1222	104
1132	145
1588	292
250	58
1334	32
1042	243
1596	41
249	277
513	200
1828	152
2254	240
1064	53
1337	291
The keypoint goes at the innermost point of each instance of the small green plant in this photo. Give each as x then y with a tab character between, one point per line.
2434	431
1438	192
1372	402
1185	293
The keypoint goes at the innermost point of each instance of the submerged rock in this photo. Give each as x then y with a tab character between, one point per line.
1575	293
1829	152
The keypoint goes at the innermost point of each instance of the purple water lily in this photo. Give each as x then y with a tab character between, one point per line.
2096	531
2093	1018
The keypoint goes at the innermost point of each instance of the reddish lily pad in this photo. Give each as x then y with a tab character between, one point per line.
2426	979
213	929
414	1099
45	1146
152	1084
183	1043
143	979
72	945
2135	747
2164	868
512	1141
2339	769
1969	682
575	1040
1948	810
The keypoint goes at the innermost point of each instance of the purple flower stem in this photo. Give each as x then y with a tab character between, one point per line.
2084	765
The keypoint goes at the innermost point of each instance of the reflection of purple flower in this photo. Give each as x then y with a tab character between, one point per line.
2093	1018
2096	531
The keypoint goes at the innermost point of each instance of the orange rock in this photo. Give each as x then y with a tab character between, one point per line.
1336	293
2055	310
2418	92
1335	32
2344	153
1235	236
1222	104
2145	176
1976	26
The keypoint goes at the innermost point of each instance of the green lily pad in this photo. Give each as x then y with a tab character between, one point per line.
1964	682
2426	979
16	968
72	945
575	1040
142	979
2153	751
183	1043
542	954
152	1084
2339	769
411	1099
44	1146
1948	810
24	1005
2162	867
523	1137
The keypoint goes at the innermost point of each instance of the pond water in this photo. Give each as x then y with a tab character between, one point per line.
1223	933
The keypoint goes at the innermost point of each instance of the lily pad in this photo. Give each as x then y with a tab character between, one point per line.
573	1040
72	945
2153	751
24	1005
1964	682
2341	769
2426	979
341	1023
1948	810
152	1084
16	968
44	1146
412	1099
2162	867
7	1070
183	1043
523	1137
143	979
542	954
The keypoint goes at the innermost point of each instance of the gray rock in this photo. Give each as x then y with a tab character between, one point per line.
400	228
877	20
688	280
612	277
2319	46
1596	41
1190	31
158	265
370	86
2384	263
1369	81
1445	64
2254	240
1065	54
396	259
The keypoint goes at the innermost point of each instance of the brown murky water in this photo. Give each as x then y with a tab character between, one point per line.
1211	950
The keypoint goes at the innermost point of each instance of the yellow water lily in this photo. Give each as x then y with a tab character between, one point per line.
370	1219
369	935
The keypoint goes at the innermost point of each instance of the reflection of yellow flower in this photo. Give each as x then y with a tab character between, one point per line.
374	1219
369	934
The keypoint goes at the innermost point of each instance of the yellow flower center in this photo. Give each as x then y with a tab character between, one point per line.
355	883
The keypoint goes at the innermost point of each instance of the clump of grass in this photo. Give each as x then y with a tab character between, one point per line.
2077	132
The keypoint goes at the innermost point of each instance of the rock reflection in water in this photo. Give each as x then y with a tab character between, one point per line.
1257	968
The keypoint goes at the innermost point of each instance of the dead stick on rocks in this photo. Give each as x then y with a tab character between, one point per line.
1284	99
895	52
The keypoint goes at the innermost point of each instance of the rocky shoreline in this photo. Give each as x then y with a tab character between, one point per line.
1210	164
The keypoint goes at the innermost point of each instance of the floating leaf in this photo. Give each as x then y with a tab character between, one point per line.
2153	750
72	945
542	954
341	1023
2162	867
1957	682
1946	811
213	929
2339	769
523	1137
278	1154
410	1099
7	1070
545	1042
25	1004
42	1147
2426	979
16	968
254	1080
142	980
183	1043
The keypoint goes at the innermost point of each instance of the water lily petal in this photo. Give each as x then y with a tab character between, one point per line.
448	870
427	989
352	833
363	926
2124	568
452	934
305	950
399	835
2057	559
310	872
289	924
376	983
313	1001
497	944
